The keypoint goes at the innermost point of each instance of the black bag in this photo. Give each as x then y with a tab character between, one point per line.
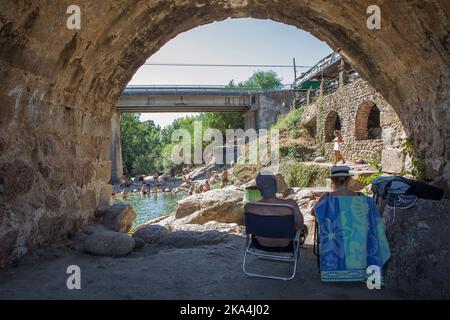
425	191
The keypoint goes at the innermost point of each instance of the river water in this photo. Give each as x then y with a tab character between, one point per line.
152	206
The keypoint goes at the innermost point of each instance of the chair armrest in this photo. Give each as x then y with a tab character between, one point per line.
297	236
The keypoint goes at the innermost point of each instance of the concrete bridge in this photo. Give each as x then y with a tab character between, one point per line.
259	108
186	99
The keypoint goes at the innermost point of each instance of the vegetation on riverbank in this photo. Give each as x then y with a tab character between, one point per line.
147	148
300	175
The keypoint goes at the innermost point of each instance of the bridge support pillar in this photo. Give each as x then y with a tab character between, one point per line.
249	119
115	150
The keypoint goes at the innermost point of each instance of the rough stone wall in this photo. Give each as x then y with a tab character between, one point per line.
59	88
347	103
419	239
271	105
115	150
249	119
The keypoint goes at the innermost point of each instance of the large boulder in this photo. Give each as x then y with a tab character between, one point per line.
118	217
200	173
282	186
221	205
109	243
392	160
187	239
307	198
419	239
231	228
150	232
245	172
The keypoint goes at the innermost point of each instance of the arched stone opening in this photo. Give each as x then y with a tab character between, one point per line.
61	86
332	123
367	122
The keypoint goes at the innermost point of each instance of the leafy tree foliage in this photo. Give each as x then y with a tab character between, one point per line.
264	80
141	145
147	148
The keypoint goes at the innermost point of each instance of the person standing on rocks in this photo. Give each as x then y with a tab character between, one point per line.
224	178
206	186
338	140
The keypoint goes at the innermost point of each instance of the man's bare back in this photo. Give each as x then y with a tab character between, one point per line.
274	211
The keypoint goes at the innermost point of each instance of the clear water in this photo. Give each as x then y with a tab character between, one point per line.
152	206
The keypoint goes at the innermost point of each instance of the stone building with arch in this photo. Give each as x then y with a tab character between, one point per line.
368	123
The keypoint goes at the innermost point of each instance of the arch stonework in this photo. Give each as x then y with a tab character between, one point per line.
59	89
330	126
362	119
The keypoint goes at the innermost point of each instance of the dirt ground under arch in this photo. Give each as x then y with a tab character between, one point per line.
173	272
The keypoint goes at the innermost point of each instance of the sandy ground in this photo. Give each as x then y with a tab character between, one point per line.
173	272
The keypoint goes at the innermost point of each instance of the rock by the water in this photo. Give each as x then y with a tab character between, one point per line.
150	233
139	244
109	243
320	159
221	205
231	228
186	239
282	186
200	173
419	239
93	228
118	217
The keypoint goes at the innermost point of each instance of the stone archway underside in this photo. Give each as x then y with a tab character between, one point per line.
59	88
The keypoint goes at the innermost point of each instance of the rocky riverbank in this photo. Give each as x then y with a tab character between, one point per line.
206	217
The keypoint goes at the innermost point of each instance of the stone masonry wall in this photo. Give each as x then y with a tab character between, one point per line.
350	103
271	105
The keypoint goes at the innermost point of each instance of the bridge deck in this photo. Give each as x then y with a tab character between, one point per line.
185	99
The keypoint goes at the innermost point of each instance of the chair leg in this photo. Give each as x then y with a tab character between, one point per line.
296	257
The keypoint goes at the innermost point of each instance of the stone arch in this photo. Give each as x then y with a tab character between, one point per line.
63	86
367	121
332	122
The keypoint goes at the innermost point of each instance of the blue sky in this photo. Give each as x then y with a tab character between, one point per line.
233	41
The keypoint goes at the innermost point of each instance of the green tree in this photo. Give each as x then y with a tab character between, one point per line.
140	142
265	80
223	121
147	148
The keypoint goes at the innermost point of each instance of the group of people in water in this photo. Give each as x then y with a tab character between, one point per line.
162	183
211	178
157	183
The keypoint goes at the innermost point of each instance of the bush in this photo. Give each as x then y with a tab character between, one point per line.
289	121
417	156
299	175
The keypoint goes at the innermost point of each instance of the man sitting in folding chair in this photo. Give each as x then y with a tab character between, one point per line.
273	227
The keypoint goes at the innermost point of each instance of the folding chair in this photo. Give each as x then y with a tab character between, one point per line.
316	247
271	226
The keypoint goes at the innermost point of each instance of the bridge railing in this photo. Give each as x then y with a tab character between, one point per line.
192	89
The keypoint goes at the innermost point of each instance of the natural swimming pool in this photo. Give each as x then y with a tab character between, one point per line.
152	206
